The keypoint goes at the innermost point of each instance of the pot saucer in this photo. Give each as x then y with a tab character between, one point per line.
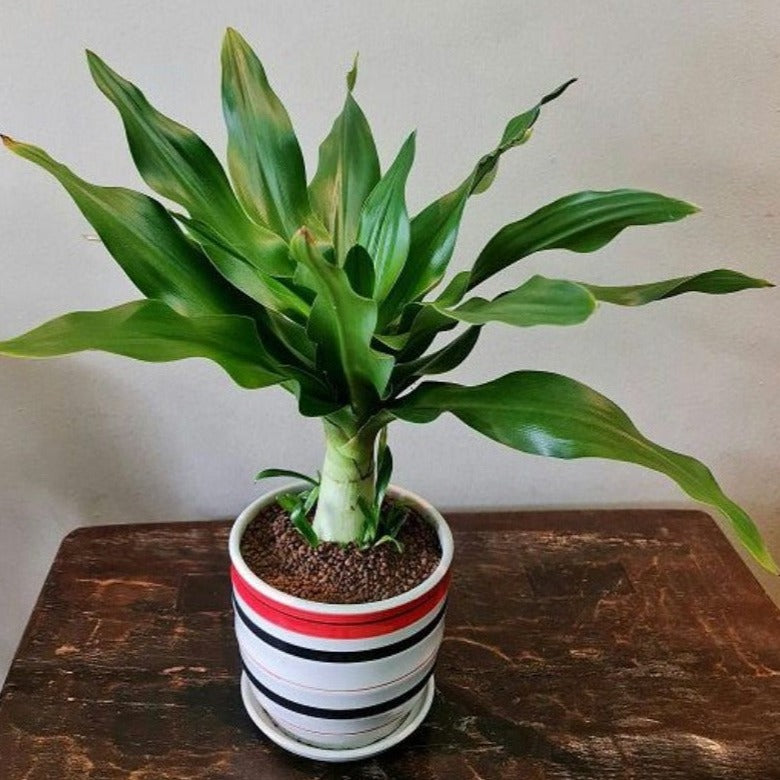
264	722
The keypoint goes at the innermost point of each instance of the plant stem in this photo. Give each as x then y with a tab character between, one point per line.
348	474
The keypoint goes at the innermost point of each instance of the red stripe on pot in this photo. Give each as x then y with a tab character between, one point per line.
339	626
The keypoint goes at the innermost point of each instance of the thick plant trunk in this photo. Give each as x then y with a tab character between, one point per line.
348	474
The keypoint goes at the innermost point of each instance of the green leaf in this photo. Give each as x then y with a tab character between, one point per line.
426	323
288	501
717	282
268	473
145	241
342	324
353	73
455	290
434	230
582	222
516	133
298	507
552	415
439	362
384	470
360	270
152	331
539	301
264	157
384	222
267	290
387	539
348	170
370	521
176	163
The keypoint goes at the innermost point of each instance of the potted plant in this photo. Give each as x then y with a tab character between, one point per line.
329	290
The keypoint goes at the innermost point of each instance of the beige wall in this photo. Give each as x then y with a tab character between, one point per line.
679	97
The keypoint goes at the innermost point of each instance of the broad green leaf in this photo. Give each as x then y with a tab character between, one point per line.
420	325
455	290
359	268
267	290
539	301
294	337
542	301
434	230
176	163
268	473
718	282
342	324
348	170
384	223
582	222
146	242
439	362
153	331
552	415
264	158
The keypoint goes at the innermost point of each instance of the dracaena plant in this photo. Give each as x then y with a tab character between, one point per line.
331	291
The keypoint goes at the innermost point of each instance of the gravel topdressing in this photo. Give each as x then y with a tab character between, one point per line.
277	554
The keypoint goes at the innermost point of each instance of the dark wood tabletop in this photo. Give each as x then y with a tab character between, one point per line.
598	644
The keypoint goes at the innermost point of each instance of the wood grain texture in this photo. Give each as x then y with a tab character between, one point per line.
604	644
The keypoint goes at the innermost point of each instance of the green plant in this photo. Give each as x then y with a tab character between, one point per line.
326	289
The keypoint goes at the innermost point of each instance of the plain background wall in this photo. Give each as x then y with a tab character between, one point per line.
681	98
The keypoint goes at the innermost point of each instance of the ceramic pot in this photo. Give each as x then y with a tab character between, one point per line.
339	677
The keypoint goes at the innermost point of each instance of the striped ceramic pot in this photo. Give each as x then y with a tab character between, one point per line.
339	676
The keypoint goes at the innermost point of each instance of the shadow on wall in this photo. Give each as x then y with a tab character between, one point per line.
69	432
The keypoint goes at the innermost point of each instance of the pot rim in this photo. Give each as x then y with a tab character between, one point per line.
421	505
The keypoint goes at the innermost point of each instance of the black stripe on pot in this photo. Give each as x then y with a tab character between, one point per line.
340	656
329	714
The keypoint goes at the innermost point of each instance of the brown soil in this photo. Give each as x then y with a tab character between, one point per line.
278	554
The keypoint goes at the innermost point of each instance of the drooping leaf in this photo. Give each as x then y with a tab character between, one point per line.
176	163
542	301
434	230
548	414
264	158
582	222
153	331
717	282
342	324
538	301
268	473
145	241
348	170
384	223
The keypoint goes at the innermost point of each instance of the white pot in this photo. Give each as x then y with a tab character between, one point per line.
339	677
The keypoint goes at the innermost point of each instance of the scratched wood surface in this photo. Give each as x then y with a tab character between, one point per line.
610	644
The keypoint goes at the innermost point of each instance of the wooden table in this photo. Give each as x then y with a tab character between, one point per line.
609	644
